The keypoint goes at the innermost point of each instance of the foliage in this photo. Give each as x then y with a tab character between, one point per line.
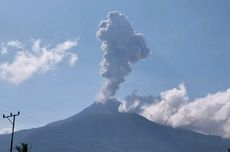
23	147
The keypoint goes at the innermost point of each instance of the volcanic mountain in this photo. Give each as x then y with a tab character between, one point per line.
101	128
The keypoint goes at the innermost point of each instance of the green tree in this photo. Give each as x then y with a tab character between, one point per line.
23	147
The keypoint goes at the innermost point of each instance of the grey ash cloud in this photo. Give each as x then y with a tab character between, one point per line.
122	47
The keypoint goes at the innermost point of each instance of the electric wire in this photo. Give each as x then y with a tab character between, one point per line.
29	120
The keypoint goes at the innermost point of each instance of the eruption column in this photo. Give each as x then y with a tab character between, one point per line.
122	47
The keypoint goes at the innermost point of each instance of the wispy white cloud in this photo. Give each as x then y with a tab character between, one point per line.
11	44
209	115
38	59
4	48
15	44
5	131
72	59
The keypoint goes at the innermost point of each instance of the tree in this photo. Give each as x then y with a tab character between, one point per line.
23	147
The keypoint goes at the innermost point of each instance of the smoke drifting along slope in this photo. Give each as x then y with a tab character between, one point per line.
209	115
122	47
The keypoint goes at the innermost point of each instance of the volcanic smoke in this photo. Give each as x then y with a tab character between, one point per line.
122	47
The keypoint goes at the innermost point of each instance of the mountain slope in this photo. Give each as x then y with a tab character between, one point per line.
99	128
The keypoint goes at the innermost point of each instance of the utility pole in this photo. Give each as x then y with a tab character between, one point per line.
13	123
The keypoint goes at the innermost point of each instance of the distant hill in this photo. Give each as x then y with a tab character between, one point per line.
100	128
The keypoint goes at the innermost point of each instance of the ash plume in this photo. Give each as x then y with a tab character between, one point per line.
122	47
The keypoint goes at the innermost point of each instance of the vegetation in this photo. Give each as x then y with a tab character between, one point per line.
23	147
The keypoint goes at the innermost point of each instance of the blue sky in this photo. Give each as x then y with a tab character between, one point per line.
189	41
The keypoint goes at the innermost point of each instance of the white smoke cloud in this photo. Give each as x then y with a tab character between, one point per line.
122	47
5	131
39	59
209	115
135	103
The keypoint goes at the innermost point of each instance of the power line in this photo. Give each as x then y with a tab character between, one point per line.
13	123
24	117
31	119
30	122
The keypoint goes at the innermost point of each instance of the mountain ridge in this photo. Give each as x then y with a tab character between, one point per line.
100	128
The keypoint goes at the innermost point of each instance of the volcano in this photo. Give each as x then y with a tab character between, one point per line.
101	128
